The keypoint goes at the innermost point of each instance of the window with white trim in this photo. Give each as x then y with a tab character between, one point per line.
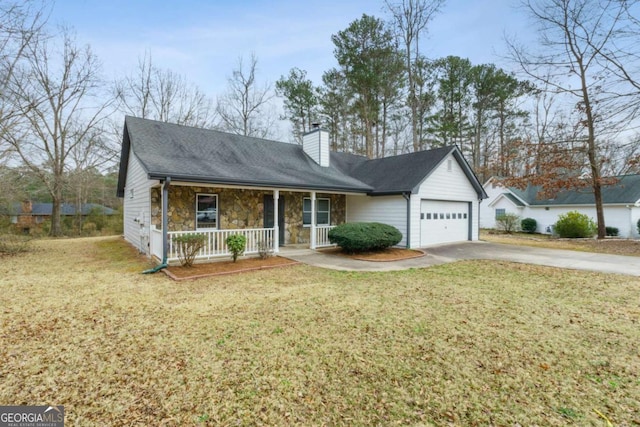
323	211
500	212
206	211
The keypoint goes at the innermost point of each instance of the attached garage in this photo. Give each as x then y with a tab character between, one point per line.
444	221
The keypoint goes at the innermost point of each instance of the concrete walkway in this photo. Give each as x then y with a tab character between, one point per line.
477	250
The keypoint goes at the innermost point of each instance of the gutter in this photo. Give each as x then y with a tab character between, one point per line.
165	225
265	184
407	197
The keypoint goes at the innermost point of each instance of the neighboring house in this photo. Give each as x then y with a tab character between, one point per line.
176	179
621	204
27	216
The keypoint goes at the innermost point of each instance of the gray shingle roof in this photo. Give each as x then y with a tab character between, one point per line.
402	173
203	155
625	191
513	199
209	156
66	209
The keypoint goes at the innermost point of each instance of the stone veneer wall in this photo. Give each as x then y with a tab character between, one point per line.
238	208
295	232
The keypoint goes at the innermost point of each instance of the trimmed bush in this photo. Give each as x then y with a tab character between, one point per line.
236	244
575	225
529	225
507	222
638	226
612	231
364	236
188	246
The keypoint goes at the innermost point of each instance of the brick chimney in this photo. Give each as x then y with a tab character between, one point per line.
315	144
26	206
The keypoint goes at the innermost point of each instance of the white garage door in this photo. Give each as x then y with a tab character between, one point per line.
443	222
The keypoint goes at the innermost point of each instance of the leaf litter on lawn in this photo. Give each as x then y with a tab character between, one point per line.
469	343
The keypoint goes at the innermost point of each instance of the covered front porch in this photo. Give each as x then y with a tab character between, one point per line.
267	218
257	239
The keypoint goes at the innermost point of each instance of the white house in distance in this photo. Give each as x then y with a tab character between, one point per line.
178	179
621	204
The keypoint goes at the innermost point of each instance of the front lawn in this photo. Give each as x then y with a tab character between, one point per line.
468	343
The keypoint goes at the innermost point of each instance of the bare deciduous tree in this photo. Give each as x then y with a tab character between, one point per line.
21	24
411	18
164	95
245	107
57	94
573	35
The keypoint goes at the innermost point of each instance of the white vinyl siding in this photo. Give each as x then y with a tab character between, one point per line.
390	210
447	185
622	216
137	204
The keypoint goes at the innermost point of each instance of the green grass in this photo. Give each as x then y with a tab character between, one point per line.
470	343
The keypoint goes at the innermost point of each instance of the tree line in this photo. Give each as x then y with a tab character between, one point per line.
60	119
567	118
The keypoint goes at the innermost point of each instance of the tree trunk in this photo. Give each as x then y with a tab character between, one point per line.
592	154
56	223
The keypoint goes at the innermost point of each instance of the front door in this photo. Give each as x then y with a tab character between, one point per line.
268	215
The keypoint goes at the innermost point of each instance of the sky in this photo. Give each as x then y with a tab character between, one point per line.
203	39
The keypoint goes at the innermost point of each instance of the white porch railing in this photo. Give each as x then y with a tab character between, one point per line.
322	235
156	242
216	242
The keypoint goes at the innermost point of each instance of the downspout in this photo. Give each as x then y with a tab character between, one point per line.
165	225
407	197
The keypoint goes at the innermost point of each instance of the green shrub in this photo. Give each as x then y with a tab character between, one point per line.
507	222
529	225
612	231
236	244
364	236
574	224
188	246
638	226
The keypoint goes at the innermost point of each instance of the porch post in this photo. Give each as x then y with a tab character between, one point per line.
312	229
165	219
276	226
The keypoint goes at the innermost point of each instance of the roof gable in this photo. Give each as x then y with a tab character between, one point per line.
403	173
510	197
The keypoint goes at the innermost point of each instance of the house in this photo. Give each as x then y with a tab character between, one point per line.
177	179
27	216
621	204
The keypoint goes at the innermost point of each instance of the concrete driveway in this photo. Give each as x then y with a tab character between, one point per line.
575	260
479	250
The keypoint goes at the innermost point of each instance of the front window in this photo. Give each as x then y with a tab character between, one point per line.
206	211
323	209
500	212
